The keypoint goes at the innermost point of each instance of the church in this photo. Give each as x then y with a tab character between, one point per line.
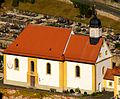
45	57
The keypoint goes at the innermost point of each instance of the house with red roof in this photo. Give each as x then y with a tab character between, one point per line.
47	58
112	81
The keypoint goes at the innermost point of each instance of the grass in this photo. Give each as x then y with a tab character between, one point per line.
58	8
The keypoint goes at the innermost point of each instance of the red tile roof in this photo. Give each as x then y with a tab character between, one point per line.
80	49
40	41
49	42
110	73
116	71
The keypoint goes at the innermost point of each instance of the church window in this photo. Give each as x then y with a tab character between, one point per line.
48	68
32	66
77	70
118	81
103	70
110	84
106	52
16	64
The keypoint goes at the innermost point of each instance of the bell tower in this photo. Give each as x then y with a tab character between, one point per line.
95	28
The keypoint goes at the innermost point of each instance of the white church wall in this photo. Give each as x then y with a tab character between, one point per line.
103	60
48	79
16	75
99	72
84	81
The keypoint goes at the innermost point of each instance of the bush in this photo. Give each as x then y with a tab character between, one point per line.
52	90
32	1
66	91
77	90
15	3
96	94
85	94
72	91
93	94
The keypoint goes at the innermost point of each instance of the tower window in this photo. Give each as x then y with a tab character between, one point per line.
77	70
48	68
32	66
16	64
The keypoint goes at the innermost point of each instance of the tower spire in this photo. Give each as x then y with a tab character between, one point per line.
95	26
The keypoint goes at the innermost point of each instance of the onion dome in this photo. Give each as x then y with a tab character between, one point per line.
95	22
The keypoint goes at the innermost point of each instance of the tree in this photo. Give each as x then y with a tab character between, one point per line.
1	1
28	1
84	9
15	3
32	1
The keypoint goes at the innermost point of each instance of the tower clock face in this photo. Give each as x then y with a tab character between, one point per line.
9	65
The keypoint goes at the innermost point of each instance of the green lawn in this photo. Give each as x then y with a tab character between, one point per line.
58	8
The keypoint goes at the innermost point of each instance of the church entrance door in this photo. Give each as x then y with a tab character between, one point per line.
32	81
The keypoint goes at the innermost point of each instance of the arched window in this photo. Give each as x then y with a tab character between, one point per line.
48	68
103	70
106	52
32	66
77	70
16	64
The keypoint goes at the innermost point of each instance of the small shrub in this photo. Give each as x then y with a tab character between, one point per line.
52	90
66	91
77	90
72	91
96	94
93	94
85	94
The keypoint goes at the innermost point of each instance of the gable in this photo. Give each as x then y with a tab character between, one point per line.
104	52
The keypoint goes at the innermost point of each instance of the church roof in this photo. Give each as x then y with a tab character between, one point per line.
40	41
80	49
110	73
51	42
